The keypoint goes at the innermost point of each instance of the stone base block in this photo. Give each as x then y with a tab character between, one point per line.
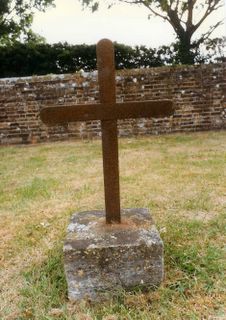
100	259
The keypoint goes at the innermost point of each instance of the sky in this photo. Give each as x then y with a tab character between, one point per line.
124	23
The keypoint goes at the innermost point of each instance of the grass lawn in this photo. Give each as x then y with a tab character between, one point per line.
180	178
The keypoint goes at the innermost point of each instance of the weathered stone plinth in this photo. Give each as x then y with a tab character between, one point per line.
100	259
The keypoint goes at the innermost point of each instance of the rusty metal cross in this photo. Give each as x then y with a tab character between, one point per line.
108	111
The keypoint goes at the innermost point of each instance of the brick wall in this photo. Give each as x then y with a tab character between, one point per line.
198	93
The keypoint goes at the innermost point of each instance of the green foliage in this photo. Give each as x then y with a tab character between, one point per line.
45	286
196	261
39	59
32	58
37	188
16	18
211	48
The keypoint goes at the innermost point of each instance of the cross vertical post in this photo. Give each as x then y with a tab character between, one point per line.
106	78
108	111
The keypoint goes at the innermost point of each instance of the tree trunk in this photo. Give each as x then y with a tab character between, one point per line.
185	55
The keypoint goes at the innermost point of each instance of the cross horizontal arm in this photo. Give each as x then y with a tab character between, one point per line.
103	111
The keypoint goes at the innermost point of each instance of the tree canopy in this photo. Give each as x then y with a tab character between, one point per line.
16	18
185	17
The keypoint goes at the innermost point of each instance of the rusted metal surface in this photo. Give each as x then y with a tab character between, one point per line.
108	111
106	78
